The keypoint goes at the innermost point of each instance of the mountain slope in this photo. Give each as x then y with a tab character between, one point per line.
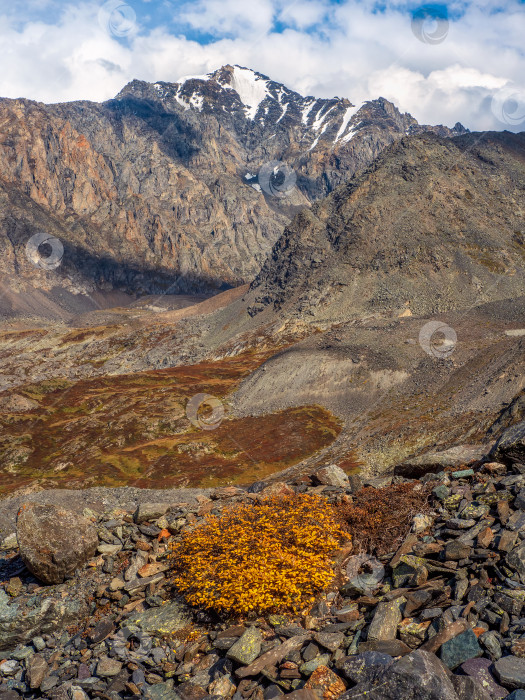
430	233
158	189
433	224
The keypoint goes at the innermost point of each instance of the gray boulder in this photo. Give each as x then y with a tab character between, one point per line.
436	461
417	676
54	542
332	475
510	671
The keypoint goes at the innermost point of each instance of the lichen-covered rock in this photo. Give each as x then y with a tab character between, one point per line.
19	623
365	667
247	648
327	683
435	461
161	621
386	619
516	560
332	475
54	542
468	689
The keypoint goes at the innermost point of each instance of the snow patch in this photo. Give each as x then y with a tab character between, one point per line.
350	111
181	101
252	89
185	78
284	112
249	176
196	102
306	112
257	187
350	135
320	118
314	144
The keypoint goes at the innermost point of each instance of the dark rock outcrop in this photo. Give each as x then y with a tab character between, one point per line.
418	675
511	445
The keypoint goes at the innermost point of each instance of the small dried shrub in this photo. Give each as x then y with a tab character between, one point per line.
272	556
379	519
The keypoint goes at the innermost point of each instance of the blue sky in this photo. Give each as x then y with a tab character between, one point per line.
462	61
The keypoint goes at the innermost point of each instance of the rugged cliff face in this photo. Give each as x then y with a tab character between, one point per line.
433	224
162	188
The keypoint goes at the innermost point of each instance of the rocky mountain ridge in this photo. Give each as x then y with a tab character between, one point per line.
158	190
432	224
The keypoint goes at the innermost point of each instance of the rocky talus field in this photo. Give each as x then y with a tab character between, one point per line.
88	605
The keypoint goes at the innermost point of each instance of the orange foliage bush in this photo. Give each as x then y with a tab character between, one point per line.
263	557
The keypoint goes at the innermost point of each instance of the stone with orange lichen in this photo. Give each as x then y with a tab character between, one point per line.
327	682
278	488
155	567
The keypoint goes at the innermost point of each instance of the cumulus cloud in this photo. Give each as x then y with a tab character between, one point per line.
466	64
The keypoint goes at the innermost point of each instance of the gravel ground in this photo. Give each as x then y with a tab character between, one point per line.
98	499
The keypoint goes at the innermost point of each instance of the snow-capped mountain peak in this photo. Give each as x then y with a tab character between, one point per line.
251	87
253	104
264	101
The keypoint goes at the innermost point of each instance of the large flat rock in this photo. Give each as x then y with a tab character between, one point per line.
435	461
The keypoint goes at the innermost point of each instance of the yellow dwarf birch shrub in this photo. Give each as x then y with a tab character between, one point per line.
272	556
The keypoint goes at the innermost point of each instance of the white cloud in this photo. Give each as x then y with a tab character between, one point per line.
235	17
347	49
